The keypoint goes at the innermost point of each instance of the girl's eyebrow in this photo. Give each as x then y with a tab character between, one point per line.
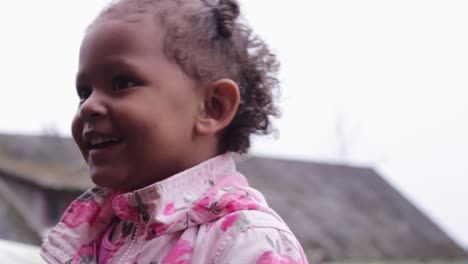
102	68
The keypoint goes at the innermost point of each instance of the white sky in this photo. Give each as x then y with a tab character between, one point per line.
394	72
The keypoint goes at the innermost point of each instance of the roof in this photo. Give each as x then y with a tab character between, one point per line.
48	161
14	226
345	212
337	211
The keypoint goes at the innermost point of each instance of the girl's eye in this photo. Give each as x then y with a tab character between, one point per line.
84	92
121	82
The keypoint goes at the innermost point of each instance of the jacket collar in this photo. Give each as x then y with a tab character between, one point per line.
165	197
196	196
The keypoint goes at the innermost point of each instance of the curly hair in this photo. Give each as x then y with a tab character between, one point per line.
209	42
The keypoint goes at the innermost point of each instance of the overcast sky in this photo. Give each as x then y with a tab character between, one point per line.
373	83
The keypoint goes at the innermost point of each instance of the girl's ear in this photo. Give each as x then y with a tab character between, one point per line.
221	100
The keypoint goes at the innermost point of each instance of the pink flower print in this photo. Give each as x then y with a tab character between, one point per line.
156	230
123	210
79	212
233	202
169	209
181	248
229	221
271	257
241	204
85	254
203	205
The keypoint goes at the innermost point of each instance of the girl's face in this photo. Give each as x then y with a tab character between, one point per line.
135	121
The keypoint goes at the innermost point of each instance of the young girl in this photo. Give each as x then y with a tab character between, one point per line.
168	89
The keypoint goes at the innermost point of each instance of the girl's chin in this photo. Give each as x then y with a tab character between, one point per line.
107	178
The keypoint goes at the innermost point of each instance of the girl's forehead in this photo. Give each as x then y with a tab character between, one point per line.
115	34
112	40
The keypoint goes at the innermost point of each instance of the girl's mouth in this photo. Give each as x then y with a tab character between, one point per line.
101	145
99	142
101	149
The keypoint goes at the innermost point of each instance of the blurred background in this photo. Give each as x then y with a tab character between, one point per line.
370	90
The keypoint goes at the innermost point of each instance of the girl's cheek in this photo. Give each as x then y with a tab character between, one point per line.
77	131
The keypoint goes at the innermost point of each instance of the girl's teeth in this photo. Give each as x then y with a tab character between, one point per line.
97	141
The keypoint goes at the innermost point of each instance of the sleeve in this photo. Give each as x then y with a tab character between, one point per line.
264	246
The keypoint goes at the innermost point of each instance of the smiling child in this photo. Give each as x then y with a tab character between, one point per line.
168	90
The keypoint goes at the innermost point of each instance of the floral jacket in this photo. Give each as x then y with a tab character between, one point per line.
207	214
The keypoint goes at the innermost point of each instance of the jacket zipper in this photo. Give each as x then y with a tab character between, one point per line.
131	246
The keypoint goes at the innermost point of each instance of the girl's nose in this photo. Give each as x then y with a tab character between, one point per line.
93	107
